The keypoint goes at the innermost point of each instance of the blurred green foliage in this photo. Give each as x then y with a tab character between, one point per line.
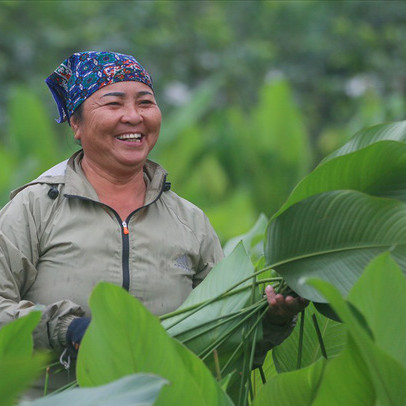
253	93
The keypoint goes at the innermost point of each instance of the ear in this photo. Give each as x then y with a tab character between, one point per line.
75	128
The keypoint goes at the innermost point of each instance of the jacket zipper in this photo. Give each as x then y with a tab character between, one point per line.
125	233
125	255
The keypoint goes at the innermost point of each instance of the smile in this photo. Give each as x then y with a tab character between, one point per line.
134	137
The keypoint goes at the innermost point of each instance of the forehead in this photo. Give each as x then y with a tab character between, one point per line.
127	88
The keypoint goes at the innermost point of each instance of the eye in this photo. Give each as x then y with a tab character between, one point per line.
146	101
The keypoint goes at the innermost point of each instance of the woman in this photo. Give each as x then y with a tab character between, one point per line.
106	213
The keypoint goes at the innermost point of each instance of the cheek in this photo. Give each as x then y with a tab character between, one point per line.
157	121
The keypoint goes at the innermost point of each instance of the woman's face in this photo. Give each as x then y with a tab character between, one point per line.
119	126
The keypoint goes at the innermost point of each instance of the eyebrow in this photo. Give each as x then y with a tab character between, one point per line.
122	94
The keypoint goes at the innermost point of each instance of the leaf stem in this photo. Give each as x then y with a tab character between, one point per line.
319	336
226	319
196	307
301	335
265	304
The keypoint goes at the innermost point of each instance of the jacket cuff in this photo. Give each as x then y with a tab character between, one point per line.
63	329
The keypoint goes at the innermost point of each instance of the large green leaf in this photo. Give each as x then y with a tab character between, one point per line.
124	338
346	381
17	373
333	236
333	335
388	131
382	287
378	169
292	388
387	373
18	367
132	390
16	337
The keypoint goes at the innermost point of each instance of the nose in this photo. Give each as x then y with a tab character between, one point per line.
131	114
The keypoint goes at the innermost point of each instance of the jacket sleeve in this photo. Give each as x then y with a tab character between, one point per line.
211	251
20	229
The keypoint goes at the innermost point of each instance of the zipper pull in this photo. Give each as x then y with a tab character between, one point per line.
125	228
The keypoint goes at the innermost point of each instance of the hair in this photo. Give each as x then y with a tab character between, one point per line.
77	114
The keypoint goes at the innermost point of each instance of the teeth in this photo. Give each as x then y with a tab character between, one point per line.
129	137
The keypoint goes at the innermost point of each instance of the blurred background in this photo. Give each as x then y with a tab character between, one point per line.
253	93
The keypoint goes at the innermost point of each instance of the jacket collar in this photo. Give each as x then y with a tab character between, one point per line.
70	174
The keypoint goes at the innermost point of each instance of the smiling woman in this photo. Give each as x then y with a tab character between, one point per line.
106	214
118	128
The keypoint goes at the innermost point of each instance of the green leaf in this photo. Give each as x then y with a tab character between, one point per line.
346	381
125	338
333	236
134	390
17	373
292	388
379	295
334	339
387	374
378	169
18	366
268	371
388	131
16	337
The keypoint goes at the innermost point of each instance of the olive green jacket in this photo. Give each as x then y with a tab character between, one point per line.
57	241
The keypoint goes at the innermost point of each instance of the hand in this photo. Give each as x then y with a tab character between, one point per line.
282	309
76	331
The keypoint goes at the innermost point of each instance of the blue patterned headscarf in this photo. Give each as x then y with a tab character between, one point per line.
79	76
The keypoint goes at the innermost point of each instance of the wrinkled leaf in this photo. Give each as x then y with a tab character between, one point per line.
388	131
378	169
333	236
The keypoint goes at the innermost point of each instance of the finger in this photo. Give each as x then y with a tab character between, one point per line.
290	300
270	295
